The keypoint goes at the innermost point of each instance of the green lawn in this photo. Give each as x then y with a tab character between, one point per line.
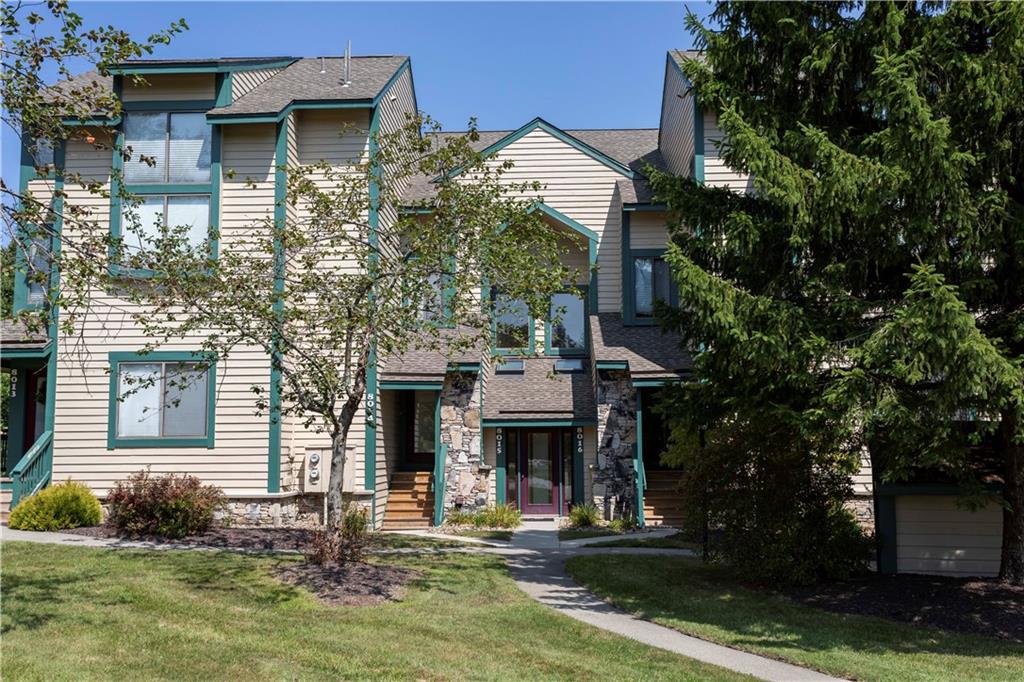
702	600
676	541
73	613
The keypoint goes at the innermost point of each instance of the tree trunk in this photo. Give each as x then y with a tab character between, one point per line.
1011	561
335	504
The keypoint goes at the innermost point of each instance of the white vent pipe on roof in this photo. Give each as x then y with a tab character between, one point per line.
348	65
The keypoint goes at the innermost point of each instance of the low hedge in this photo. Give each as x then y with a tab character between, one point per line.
65	505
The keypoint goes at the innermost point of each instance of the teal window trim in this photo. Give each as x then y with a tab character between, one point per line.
116	359
629	316
651	383
540	123
531	325
27	174
570	352
211	188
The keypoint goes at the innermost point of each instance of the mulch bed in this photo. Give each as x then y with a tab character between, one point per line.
970	605
234	538
351	583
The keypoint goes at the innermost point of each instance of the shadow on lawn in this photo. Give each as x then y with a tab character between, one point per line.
681	591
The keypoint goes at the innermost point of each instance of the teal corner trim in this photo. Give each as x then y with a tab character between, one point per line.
555	214
561	135
50	416
276	356
638	460
500	465
115	360
370	399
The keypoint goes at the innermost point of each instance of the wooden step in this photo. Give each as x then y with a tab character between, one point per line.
406	525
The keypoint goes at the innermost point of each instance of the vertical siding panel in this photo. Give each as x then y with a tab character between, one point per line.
716	172
244	82
197	86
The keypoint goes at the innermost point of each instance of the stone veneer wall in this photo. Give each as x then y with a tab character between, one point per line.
465	476
295	511
863	508
614	478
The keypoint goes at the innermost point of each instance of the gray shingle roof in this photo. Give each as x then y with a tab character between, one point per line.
302	81
537	394
633	147
427	364
649	351
15	335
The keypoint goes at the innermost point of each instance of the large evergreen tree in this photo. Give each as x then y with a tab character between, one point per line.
868	294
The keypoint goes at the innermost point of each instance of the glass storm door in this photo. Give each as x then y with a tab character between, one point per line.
538	473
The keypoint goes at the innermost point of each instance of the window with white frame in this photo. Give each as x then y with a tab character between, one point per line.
162	400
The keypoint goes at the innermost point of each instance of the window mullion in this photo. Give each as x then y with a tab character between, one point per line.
163	392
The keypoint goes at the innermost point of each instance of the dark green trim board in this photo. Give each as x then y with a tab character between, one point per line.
885	530
440	462
512	423
561	135
203	66
49	419
612	365
276	356
370	398
627	264
578	455
386	385
464	367
652	383
198	105
638	459
500	466
207	441
644	208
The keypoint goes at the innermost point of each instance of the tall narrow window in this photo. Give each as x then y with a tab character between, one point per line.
651	282
512	323
568	332
38	271
423	438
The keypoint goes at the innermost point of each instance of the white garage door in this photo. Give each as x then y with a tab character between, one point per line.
933	535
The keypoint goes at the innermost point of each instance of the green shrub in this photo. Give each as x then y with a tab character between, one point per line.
624	523
584	516
65	505
169	506
503	516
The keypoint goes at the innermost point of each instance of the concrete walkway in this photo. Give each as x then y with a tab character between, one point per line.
536	562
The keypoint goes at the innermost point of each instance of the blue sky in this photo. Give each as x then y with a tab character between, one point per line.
578	65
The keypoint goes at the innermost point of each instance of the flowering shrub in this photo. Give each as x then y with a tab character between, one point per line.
170	506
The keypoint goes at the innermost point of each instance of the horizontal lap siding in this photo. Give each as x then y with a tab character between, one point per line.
716	172
933	535
677	124
238	462
340	138
199	86
647	230
243	82
395	105
581	188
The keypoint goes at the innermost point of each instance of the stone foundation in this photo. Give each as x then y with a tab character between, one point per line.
863	509
614	479
465	476
296	511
